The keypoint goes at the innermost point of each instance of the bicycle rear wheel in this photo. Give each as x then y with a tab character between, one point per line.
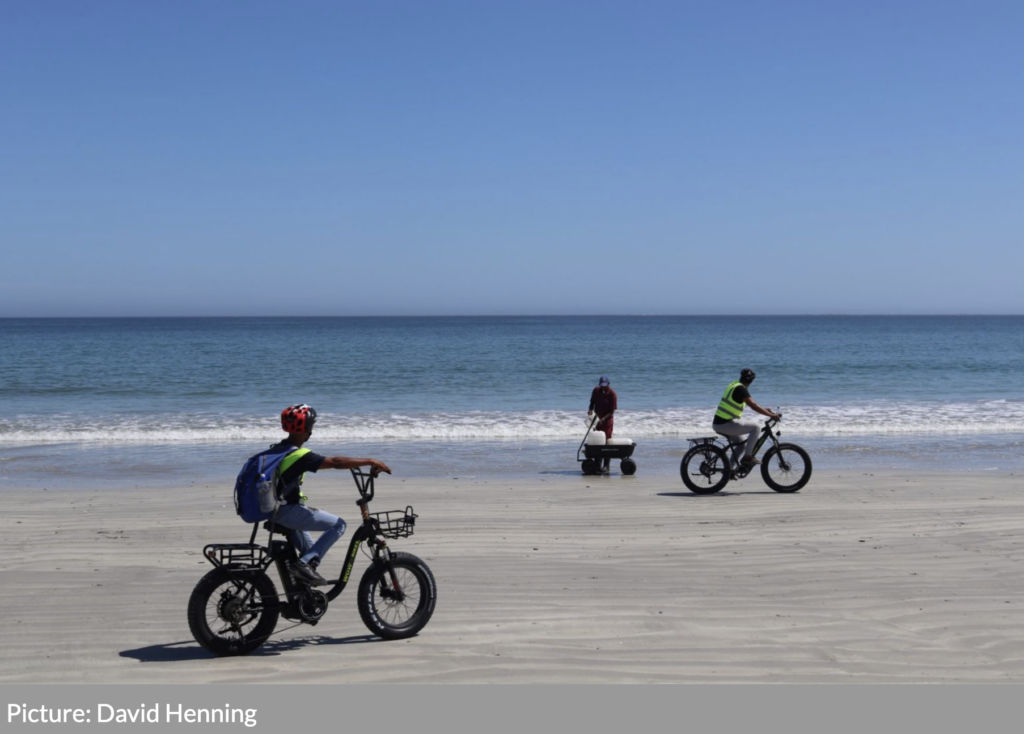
787	468
232	614
705	469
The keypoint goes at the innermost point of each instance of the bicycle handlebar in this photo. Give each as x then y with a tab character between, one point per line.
364	482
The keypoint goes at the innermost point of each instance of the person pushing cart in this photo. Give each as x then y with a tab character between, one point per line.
604	402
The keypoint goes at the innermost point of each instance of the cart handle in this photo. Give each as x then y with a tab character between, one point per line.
584	441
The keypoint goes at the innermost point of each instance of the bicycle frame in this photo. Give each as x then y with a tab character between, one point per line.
243	560
766	433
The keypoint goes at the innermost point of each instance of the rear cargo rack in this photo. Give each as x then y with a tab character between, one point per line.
237	554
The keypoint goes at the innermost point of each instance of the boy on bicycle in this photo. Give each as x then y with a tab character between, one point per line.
294	514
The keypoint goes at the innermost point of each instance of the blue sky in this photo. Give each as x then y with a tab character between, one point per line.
335	158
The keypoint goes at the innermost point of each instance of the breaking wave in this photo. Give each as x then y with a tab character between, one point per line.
866	419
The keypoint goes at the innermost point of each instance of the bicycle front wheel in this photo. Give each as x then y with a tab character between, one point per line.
786	468
389	615
705	469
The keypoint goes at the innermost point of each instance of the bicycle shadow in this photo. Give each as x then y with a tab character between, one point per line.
175	652
723	493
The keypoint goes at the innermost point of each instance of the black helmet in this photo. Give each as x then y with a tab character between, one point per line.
747	376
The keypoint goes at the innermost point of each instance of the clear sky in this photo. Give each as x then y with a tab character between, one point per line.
175	157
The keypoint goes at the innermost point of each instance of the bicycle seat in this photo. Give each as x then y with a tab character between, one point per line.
277	528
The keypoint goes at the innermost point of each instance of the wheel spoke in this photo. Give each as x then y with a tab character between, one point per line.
234	612
786	467
705	469
394	612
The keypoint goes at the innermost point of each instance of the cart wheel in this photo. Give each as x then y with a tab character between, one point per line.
590	467
628	467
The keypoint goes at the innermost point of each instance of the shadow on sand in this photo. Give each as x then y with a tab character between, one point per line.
723	493
581	475
189	650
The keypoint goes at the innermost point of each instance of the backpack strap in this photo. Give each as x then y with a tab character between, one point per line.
291	458
287	464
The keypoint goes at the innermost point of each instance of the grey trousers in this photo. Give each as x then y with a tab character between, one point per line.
737	428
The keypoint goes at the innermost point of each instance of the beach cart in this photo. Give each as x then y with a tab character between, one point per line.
595	448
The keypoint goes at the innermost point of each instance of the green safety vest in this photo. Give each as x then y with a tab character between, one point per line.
287	463
728	408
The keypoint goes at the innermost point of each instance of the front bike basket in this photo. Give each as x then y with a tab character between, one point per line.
395	523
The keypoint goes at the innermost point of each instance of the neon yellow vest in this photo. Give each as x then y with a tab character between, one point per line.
287	463
728	408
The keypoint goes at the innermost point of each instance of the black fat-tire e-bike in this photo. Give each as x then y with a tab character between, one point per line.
706	467
235	607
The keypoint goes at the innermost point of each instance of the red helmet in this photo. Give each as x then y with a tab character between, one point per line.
298	418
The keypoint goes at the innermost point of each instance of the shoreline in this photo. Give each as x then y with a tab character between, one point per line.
87	465
866	577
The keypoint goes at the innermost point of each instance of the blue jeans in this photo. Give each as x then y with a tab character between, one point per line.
299	519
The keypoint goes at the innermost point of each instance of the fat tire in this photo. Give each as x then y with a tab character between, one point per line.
766	466
369	595
704	453
590	467
628	467
211	640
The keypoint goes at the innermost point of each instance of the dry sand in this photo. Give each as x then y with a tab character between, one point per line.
558	578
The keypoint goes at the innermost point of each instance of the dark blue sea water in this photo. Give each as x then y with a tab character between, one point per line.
131	397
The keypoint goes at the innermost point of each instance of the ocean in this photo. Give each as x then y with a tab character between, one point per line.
92	402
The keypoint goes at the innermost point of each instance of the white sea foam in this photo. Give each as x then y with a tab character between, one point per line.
867	419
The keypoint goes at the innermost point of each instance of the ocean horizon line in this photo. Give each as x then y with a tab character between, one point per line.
514	316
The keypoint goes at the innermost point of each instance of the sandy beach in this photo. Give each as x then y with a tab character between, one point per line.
559	578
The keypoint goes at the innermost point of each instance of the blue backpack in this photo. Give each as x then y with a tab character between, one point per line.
256	487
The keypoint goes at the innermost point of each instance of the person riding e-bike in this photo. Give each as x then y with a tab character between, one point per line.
294	514
728	417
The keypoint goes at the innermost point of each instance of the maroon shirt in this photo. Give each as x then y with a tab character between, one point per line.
603	403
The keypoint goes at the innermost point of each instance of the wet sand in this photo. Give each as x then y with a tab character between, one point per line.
879	577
